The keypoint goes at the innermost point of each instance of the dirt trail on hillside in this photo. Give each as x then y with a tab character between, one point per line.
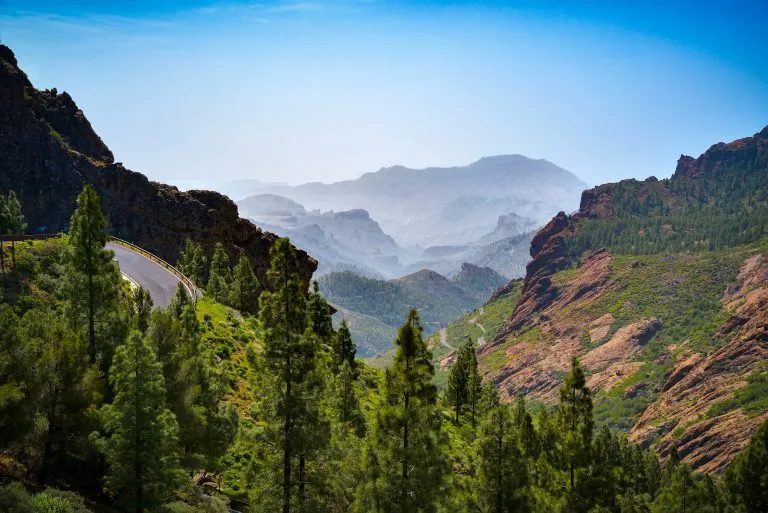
444	338
473	321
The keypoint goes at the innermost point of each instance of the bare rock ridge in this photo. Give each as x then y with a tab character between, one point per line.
48	151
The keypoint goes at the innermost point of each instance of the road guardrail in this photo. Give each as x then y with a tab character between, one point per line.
192	289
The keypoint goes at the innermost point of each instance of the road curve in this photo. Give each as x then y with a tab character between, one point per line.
156	279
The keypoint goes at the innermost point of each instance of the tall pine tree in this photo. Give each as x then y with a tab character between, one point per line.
344	349
574	423
405	466
93	280
319	312
502	471
140	444
289	361
15	221
457	390
220	276
244	291
192	262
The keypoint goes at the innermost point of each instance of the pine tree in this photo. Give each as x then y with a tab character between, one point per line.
244	291
194	390
93	281
502	472
344	349
524	425
220	276
574	423
142	308
5	222
18	383
192	262
319	313
474	382
746	481
67	384
179	300
457	391
681	492
290	368
15	224
404	466
140	445
345	397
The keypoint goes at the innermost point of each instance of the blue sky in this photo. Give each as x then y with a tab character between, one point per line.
323	90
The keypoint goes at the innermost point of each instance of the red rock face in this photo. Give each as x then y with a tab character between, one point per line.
538	344
48	151
748	154
697	383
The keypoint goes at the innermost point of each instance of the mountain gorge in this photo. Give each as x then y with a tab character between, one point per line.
659	287
439	218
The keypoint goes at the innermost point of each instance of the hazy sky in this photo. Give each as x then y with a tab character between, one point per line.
326	90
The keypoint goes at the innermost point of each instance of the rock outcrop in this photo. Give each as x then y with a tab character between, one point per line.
48	151
686	413
575	313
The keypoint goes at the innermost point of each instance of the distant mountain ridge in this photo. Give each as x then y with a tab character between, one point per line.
442	206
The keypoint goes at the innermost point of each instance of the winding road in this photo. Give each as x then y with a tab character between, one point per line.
156	279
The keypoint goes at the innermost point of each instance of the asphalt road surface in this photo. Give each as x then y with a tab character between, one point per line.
156	279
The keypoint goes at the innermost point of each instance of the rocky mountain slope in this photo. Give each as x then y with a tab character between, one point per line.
48	151
660	287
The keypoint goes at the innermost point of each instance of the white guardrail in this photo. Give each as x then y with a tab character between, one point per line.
193	290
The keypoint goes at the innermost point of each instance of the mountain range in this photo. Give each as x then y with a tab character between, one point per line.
439	206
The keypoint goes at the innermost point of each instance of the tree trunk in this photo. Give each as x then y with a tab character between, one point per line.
287	453
91	320
286	468
404	490
302	466
48	446
499	476
139	454
13	252
2	257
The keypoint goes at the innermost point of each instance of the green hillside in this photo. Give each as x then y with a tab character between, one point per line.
375	308
184	410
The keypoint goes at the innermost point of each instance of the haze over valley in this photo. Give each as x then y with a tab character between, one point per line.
397	220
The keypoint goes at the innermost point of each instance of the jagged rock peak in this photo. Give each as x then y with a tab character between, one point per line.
7	55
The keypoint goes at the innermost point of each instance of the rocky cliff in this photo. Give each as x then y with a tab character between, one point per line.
674	338
48	151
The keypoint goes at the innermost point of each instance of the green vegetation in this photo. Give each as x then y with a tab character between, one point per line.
437	299
186	408
752	398
681	215
11	223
